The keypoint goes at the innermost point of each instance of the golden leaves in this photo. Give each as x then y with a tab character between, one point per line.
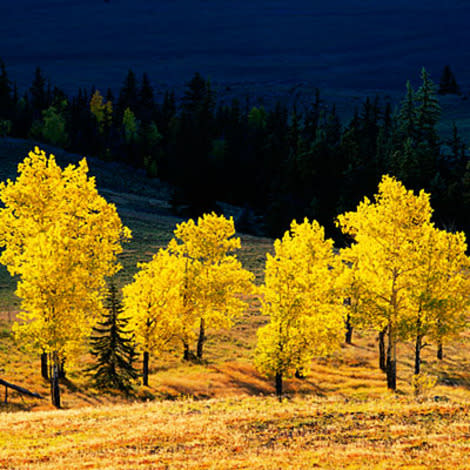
62	238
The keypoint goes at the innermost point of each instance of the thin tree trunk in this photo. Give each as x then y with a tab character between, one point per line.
349	329
44	366
185	351
201	339
440	354
391	359
55	389
382	358
279	385
145	369
62	374
418	346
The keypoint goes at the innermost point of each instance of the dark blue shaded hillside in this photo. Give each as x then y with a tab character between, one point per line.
335	44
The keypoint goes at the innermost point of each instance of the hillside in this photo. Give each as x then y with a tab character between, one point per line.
338	45
221	413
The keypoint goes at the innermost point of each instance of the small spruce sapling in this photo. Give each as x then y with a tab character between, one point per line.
113	347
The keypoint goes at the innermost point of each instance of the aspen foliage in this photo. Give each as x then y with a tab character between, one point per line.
388	235
215	286
440	293
102	111
62	238
385	255
153	302
300	297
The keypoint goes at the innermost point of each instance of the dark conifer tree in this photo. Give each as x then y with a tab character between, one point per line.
407	118
448	83
428	111
113	348
6	97
191	144
128	97
145	111
38	93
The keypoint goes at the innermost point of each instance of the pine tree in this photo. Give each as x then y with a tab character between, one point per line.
428	111
128	96
407	114
113	348
146	102
6	98
38	92
448	84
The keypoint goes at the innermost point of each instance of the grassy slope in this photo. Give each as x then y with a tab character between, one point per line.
342	415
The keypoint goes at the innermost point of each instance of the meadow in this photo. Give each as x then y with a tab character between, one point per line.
221	413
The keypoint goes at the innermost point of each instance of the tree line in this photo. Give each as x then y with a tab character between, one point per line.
399	275
276	163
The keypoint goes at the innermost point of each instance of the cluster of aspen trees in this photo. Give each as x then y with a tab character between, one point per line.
400	275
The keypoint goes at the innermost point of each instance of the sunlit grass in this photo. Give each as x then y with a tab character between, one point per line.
248	433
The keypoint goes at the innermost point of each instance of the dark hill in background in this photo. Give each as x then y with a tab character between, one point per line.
261	46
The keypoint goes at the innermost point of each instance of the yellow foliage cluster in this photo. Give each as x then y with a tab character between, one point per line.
410	278
197	282
302	300
62	238
102	111
401	274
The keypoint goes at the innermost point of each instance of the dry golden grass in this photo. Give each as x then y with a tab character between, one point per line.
249	433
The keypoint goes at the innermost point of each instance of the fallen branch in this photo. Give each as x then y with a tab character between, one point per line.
19	389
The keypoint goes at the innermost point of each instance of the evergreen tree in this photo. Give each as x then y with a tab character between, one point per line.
448	84
113	348
38	92
128	96
407	114
6	98
428	111
146	102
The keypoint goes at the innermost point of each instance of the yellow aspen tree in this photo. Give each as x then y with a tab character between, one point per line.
153	302
215	287
361	310
440	293
388	235
102	111
303	303
97	109
62	238
130	126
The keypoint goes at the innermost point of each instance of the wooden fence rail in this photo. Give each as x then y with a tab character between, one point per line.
19	389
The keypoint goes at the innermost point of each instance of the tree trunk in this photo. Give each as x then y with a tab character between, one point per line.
391	359
186	354
349	329
55	389
62	374
279	385
201	339
418	346
145	369
440	353
44	366
382	358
